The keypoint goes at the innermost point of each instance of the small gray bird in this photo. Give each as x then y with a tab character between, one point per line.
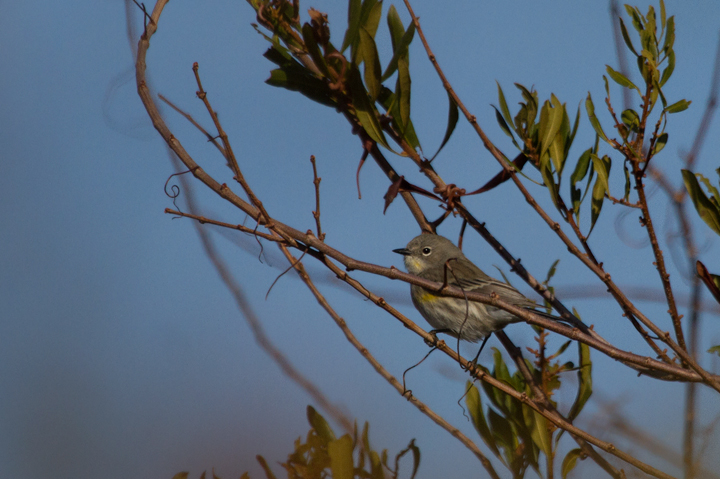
426	256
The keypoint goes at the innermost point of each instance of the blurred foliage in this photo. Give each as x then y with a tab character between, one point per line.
323	455
516	434
707	205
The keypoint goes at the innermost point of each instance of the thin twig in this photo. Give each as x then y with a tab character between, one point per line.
261	338
422	407
316	213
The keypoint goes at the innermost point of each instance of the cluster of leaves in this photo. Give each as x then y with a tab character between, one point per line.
546	141
322	455
328	77
516	434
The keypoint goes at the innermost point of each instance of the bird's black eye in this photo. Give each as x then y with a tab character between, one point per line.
426	251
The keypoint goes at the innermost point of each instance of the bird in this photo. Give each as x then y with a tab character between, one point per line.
436	258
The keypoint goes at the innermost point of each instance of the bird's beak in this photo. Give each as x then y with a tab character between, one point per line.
402	251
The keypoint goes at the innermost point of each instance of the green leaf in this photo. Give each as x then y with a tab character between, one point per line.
540	434
504	435
620	79
503	105
295	77
636	18
626	37
660	143
402	89
369	55
364	109
504	127
563	347
354	9
453	116
708	211
370	16
602	167
399	51
669	34
551	117
388	100
715	198
531	101
341	457
569	461
714	350
395	26
581	169
548	179
584	381
662	14
667	73
475	408
678	106
630	118
628	184
590	107
320	425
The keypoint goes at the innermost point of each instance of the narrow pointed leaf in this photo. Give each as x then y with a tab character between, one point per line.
636	19
370	16
628	184
364	109
584	381
708	211
662	14
503	105
551	117
400	50
602	166
395	26
626	37
402	89
667	73
570	461
320	425
388	100
475	408
620	79
669	34
590	107
453	117
679	106
354	9
369	54
660	143
504	127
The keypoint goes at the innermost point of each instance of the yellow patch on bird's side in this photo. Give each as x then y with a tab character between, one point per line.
428	297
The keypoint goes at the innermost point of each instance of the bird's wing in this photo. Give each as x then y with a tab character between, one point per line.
482	283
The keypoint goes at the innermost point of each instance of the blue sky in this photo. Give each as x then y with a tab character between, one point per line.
121	352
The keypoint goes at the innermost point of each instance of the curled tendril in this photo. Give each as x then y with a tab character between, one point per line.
174	192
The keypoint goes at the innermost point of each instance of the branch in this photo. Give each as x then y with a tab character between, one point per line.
422	407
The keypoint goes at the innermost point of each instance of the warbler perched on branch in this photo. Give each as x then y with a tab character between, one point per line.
436	258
